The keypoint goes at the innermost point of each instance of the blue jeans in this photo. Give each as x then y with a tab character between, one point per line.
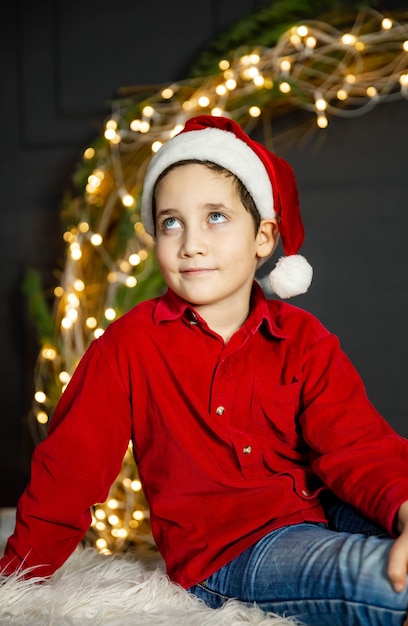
334	574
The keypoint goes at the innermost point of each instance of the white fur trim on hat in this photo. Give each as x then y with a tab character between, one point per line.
292	276
220	147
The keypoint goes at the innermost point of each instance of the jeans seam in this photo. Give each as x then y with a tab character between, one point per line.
212	592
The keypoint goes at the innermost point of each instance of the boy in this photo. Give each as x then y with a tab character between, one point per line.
250	427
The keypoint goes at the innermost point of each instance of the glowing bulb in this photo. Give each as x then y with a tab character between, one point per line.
386	24
83	227
231	84
167	93
64	377
110	134
79	284
188	105
295	39
221	90
49	353
254	111
148	111
302	31
91	322
322	121
156	145
404	80
223	65
138	515
111	124
40	397
176	130
348	39
128	200
250	73
113	520
131	281
75	251
203	101
73	300
259	81
112	503
321	104
135	125
136	485
371	92
100	514
405	45
285	87
100	526
350	79
98	332
110	314
134	259
217	112
342	94
72	314
58	291
41	417
311	42
254	58
101	543
68	236
96	239
66	323
89	154
285	65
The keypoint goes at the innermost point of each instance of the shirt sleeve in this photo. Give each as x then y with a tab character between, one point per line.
72	469
354	450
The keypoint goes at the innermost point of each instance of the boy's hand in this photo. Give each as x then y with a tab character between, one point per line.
398	561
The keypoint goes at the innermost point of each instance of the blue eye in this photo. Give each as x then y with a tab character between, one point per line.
170	223
217	218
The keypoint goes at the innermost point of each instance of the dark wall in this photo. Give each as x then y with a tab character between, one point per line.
62	62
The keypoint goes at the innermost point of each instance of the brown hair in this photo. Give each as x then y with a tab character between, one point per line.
242	191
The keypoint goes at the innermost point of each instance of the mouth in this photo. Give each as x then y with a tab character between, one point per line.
195	271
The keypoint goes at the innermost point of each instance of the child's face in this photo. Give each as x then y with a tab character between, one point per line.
206	244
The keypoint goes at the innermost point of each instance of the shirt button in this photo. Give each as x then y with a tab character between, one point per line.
247	450
193	318
220	410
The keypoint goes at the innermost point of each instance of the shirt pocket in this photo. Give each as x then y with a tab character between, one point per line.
276	423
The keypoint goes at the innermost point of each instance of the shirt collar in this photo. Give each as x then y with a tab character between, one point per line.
171	307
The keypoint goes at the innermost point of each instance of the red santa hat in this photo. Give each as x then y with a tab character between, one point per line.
268	178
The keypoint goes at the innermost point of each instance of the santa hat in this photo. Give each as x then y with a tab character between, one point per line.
268	178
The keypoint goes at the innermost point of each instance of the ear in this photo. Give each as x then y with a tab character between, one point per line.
267	238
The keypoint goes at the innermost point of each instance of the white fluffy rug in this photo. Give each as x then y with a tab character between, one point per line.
121	590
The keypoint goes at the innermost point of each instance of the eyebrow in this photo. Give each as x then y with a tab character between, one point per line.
218	206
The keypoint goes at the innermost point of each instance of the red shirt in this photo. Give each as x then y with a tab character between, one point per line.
231	440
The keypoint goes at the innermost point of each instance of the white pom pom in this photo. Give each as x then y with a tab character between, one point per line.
291	277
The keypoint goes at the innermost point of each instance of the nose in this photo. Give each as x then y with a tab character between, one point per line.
193	242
